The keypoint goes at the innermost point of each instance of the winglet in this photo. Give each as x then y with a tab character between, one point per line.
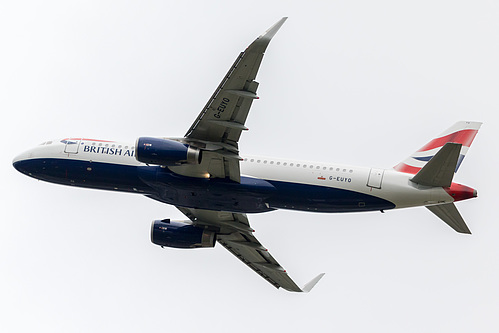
260	44
273	29
306	288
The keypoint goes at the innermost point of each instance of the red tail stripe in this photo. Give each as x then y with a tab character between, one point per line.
402	167
464	137
83	139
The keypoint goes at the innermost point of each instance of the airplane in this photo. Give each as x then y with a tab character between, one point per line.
204	176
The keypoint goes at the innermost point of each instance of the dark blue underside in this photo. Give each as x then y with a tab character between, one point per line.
250	196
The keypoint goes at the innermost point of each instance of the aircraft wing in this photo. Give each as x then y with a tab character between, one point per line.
236	235
219	125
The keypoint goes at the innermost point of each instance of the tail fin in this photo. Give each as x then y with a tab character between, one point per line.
435	165
462	132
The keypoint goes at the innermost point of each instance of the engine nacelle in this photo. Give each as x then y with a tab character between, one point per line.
165	152
181	234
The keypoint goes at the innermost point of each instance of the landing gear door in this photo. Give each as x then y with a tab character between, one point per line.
72	146
375	178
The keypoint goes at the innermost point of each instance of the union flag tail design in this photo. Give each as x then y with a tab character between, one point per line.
462	132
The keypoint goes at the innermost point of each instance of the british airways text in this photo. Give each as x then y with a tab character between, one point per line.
109	151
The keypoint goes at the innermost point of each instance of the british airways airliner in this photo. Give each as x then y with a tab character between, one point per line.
204	176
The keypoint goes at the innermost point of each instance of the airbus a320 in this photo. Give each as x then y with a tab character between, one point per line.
215	187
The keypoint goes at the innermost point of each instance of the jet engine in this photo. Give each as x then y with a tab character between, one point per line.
165	152
181	234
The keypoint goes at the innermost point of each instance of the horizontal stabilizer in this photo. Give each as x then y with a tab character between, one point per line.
439	171
450	215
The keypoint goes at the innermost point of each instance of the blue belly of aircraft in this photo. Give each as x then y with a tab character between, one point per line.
252	195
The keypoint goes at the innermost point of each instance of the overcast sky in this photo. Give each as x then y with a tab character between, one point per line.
357	82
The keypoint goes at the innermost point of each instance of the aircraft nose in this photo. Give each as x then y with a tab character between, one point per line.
18	162
21	162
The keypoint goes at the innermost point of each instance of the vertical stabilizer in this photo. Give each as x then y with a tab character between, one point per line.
462	132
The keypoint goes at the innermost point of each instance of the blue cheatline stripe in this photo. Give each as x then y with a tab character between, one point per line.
424	158
324	199
427	158
459	161
252	195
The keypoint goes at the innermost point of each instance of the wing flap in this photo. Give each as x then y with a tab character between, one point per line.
251	252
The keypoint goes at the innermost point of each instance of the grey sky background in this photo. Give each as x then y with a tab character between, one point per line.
358	82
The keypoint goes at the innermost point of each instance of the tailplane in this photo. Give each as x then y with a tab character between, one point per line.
450	215
439	171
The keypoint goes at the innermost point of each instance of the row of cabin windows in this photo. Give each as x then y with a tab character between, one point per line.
107	145
297	165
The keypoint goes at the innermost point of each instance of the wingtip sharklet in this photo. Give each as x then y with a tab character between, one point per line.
308	287
273	29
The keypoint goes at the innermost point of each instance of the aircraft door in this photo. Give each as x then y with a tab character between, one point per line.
72	146
375	178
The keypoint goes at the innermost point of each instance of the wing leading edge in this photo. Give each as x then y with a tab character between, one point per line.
235	234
